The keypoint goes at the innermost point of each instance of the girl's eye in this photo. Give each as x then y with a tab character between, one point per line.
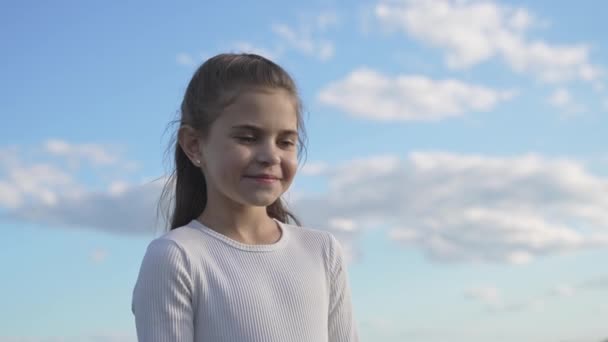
251	140
246	139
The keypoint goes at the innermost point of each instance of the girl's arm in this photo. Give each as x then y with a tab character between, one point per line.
162	297
342	325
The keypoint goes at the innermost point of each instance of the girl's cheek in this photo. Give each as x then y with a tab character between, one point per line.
291	165
241	151
293	157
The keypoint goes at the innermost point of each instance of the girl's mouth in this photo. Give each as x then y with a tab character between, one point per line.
263	179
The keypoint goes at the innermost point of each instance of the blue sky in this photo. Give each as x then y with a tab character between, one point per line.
456	148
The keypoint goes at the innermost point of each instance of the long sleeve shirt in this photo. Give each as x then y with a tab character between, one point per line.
197	285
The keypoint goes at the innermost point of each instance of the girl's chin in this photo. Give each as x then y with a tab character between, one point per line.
261	202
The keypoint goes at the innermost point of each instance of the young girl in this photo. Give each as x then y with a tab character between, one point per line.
232	267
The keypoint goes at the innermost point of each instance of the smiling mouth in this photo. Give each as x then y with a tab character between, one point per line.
263	177
264	180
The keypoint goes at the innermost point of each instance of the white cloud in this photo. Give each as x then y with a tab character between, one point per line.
327	19
469	208
10	196
564	290
489	295
313	169
130	211
245	47
185	59
46	192
94	154
341	223
455	208
118	187
518	257
472	32
302	40
495	302
38	182
24	183
562	100
369	94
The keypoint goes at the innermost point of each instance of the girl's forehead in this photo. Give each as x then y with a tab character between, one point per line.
266	108
263	97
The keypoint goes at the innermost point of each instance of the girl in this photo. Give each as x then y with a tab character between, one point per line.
232	267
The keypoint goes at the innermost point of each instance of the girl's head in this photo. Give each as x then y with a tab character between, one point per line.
241	117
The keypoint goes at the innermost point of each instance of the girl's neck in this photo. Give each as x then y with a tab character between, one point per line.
250	225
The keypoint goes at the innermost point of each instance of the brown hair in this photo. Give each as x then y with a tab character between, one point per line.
215	85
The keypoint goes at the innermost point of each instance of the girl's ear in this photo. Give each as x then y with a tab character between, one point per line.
190	142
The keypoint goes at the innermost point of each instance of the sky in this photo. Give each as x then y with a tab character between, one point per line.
457	150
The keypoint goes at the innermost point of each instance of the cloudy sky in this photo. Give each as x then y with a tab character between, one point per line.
457	149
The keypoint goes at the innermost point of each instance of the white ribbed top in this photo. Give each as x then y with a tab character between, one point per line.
196	284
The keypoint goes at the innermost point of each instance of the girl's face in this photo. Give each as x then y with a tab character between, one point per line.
256	135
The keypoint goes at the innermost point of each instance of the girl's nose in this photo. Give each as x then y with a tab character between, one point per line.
268	154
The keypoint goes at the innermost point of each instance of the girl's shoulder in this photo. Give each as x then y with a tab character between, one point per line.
312	234
324	242
184	237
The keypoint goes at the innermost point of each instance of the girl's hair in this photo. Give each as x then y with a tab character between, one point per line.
216	84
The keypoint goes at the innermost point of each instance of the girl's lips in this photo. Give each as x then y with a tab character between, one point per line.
263	177
263	180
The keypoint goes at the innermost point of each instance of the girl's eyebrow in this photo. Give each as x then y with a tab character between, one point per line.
259	129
